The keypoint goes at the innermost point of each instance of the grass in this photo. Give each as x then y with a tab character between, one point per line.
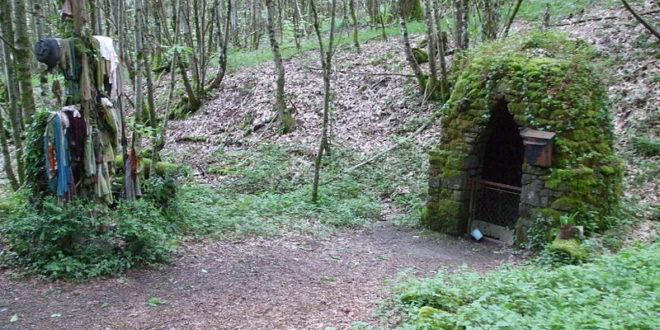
613	292
534	10
250	58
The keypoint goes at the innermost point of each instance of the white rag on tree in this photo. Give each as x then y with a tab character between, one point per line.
108	52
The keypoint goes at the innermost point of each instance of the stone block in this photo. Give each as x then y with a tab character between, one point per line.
456	182
535	170
531	197
472	161
545	201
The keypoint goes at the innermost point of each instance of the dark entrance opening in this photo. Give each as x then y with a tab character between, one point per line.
504	154
496	195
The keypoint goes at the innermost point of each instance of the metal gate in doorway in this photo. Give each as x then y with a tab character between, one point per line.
494	209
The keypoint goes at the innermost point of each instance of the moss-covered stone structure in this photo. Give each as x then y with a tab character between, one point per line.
541	82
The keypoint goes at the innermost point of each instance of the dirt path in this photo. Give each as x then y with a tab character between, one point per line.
301	283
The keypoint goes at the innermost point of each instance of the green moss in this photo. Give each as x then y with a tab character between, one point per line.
420	55
608	170
550	84
571	248
550	214
161	167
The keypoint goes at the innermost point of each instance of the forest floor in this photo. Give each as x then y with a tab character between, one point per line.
289	282
307	281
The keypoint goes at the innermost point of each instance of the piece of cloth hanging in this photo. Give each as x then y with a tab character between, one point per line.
77	135
103	186
67	9
58	157
77	132
112	119
47	51
85	79
70	64
108	52
89	159
131	180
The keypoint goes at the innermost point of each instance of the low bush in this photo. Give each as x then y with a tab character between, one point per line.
85	240
614	292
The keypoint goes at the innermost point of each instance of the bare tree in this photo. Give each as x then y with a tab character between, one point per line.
6	156
410	57
326	62
13	93
286	120
22	60
462	17
356	40
640	19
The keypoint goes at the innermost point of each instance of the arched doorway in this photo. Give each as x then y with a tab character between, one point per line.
495	196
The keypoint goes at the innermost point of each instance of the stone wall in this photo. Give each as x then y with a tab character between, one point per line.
549	85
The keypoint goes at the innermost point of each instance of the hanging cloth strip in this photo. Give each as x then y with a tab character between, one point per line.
67	9
103	184
90	156
85	79
111	116
109	53
77	132
70	65
58	157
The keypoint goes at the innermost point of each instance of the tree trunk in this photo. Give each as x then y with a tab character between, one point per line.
22	57
442	47
326	60
491	9
462	36
13	94
432	81
6	157
640	19
411	9
410	57
356	40
139	95
159	144
285	117
515	12
224	44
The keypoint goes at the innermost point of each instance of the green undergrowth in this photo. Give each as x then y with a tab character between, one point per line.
264	192
86	239
614	292
267	192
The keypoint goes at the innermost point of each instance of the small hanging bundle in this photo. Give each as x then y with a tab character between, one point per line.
47	51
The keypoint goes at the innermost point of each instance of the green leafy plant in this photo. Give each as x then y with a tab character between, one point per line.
615	291
568	219
85	239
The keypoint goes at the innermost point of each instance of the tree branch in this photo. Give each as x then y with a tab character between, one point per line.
364	73
602	18
7	43
646	24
